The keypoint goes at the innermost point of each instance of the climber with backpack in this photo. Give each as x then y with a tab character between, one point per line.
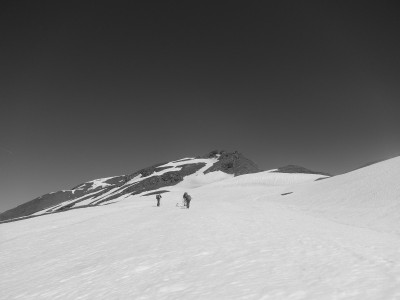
187	198
158	197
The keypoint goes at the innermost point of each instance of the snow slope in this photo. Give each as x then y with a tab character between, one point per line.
241	239
368	197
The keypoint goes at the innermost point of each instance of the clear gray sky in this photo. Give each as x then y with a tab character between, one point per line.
97	89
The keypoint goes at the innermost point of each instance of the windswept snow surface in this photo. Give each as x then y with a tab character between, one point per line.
269	178
239	240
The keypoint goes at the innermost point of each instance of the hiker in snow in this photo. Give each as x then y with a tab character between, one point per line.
158	197
184	199
187	199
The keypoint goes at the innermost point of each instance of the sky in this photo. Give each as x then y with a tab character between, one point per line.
104	88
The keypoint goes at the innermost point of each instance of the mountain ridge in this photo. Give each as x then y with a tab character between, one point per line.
146	180
185	173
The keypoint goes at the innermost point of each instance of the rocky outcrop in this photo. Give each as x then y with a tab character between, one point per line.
232	163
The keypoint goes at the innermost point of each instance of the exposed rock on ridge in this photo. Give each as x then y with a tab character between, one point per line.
232	163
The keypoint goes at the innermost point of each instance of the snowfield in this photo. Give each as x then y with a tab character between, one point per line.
336	238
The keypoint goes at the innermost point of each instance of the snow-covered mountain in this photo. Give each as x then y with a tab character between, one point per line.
182	174
159	178
263	235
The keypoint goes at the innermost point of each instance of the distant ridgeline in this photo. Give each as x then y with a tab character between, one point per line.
299	170
142	182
